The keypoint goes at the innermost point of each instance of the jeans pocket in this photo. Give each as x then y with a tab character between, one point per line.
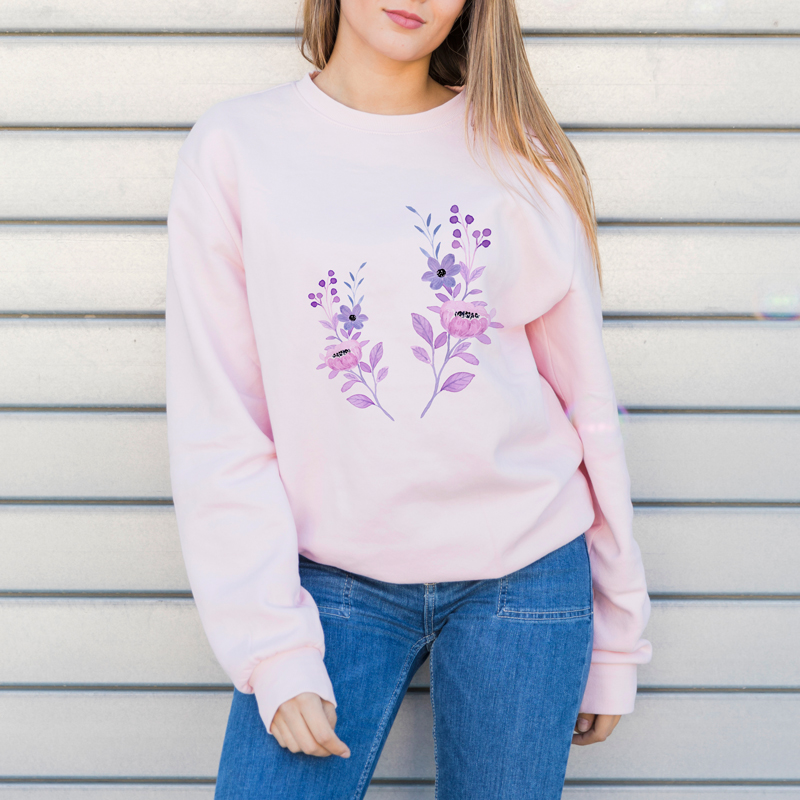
556	587
330	587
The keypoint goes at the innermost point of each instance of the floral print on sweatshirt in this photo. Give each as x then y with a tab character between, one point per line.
463	321
346	355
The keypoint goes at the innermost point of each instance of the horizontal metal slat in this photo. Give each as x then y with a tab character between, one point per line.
655	364
646	269
392	791
768	16
136	549
732	737
647	177
688	457
708	643
601	81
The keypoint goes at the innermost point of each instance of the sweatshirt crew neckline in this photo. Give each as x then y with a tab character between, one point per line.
384	123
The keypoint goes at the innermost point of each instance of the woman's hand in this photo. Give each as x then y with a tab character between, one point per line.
594	727
305	723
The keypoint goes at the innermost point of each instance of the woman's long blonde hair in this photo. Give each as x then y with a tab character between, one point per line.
485	53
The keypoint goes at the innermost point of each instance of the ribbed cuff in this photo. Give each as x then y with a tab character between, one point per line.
285	675
611	689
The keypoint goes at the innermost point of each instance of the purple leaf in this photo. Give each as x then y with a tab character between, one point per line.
366	367
330	337
422	327
326	324
482	337
348	385
460	348
469	358
356	335
443	297
375	354
353	376
456	290
480	302
322	365
457	382
496	325
440	340
476	273
437	309
360	401
473	291
333	373
382	373
421	354
464	270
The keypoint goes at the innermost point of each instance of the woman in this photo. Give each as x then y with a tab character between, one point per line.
393	432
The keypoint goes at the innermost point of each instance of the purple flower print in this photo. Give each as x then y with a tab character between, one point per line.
345	353
352	317
463	321
442	274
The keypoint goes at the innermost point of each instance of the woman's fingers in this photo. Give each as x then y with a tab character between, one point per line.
318	720
584	722
283	735
600	728
273	729
303	725
330	712
298	728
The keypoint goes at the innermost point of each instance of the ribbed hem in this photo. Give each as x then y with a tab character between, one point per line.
386	123
285	675
611	689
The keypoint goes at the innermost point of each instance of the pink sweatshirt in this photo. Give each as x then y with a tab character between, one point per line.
380	357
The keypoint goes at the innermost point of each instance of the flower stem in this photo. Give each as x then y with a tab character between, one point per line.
438	377
374	393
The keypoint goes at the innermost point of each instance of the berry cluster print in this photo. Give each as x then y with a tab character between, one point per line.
463	321
346	353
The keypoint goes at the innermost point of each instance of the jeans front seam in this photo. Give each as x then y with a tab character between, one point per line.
429	611
417	646
435	743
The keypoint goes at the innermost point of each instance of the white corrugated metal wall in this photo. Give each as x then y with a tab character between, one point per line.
688	116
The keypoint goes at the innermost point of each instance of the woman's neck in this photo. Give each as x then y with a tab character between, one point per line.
360	77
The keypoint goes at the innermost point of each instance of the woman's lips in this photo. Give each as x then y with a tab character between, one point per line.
404	18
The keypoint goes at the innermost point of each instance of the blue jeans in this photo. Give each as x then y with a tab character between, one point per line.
509	663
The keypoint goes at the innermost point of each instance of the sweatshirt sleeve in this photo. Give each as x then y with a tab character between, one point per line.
236	529
568	347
